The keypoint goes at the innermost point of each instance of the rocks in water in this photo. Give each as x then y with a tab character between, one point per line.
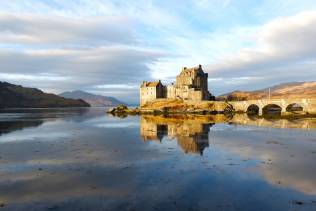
118	108
123	110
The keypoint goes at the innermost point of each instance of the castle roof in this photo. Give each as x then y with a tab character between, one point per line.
150	84
192	69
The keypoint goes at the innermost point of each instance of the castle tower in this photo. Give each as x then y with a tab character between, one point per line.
191	84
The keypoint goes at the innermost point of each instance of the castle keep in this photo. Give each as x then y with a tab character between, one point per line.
191	84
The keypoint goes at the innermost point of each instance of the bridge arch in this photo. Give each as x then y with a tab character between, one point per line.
294	107
272	109
253	109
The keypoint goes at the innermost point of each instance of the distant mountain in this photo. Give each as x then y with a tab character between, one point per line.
92	99
284	90
15	96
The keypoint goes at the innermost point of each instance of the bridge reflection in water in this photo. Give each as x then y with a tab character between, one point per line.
291	123
190	132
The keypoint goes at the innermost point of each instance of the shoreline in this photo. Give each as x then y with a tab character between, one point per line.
122	110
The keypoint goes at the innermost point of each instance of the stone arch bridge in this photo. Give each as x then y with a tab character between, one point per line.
307	105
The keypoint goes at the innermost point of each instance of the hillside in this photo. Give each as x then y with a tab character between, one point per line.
92	99
14	96
285	90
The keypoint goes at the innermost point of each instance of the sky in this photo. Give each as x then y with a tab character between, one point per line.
109	47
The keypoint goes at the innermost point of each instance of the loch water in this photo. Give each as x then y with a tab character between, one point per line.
85	159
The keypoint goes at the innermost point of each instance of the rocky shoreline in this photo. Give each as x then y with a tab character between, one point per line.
185	108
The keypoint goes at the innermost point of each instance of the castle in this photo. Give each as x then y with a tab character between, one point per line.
191	84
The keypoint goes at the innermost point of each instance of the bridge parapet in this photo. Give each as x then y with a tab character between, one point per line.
308	105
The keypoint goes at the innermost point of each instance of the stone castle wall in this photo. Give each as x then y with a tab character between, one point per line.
196	95
147	94
150	91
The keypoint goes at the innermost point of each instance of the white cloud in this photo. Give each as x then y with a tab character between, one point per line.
42	77
285	48
117	86
63	31
279	40
75	53
79	68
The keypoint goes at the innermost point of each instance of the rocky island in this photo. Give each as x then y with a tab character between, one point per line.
169	106
188	95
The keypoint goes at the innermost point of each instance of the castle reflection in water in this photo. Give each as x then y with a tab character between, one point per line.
191	135
191	131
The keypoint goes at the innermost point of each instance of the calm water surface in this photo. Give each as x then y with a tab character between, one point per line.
84	159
